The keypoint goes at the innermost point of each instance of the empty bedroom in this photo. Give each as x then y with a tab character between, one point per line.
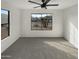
39	29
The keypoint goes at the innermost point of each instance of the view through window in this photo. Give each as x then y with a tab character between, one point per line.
41	21
4	23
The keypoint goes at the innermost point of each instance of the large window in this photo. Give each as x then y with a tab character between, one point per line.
5	23
41	21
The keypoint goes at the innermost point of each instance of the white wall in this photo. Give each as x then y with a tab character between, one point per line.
71	25
57	23
14	26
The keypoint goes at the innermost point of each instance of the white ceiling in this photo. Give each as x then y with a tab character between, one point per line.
24	4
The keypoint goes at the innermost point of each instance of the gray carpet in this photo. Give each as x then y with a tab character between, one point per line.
40	48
